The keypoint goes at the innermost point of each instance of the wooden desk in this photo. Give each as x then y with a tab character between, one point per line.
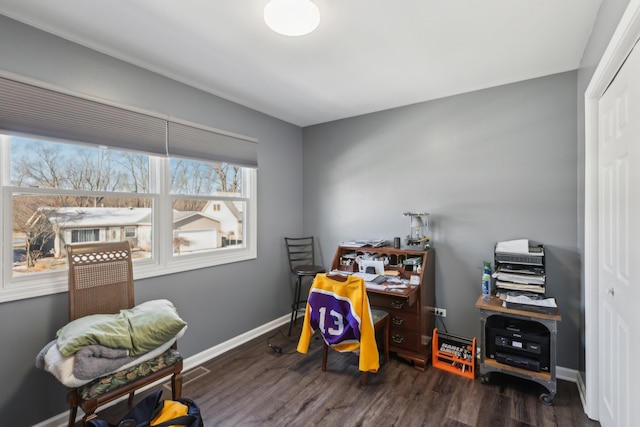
411	310
493	307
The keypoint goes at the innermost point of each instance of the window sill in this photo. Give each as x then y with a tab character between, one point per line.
54	283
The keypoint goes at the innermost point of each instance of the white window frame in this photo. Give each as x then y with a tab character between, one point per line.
163	262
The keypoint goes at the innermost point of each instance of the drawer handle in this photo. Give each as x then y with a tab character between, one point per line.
397	321
397	339
397	304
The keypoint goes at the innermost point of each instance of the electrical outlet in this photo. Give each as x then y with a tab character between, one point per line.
440	312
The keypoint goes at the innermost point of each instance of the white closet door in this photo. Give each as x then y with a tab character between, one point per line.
619	244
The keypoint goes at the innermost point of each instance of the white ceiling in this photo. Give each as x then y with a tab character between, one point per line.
365	56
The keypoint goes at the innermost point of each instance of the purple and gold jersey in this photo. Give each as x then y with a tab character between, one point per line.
340	310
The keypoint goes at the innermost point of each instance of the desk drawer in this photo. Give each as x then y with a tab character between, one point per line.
401	321
403	340
389	302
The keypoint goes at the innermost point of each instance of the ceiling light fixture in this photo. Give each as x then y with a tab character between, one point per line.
292	17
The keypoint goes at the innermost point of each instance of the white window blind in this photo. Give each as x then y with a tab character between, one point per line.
195	143
32	110
36	111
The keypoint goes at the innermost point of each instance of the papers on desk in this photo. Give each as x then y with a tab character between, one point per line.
524	302
386	287
374	243
370	277
524	299
375	286
378	282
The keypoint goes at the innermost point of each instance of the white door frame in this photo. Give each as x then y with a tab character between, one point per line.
620	45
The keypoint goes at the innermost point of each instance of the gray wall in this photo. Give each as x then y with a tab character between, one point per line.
490	165
219	303
608	17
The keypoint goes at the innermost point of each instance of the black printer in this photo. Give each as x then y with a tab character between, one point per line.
516	342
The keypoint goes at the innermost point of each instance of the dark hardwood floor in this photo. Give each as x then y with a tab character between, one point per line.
253	385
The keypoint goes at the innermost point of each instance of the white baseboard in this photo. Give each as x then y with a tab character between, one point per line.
566	374
61	420
582	391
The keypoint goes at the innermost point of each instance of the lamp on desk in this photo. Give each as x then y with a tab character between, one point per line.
418	229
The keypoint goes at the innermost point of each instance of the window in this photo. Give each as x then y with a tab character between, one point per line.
81	236
130	232
209	205
68	193
59	193
188	207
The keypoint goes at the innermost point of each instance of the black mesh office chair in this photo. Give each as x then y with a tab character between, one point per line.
301	253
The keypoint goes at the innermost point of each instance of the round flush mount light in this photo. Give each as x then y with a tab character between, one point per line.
292	17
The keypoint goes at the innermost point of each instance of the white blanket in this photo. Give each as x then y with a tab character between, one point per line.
62	367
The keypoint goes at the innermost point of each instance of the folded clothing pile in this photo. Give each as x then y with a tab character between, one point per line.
101	344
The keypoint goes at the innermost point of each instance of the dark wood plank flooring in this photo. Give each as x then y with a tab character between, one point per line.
253	385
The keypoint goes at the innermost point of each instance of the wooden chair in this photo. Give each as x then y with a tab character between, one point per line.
381	320
333	309
301	254
101	282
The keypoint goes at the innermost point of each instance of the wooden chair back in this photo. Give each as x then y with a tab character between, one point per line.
100	278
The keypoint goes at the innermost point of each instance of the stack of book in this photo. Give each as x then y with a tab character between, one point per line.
519	267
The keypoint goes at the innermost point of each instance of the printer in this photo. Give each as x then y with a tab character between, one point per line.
516	342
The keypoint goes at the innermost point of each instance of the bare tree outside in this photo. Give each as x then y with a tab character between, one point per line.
138	167
42	164
202	178
39	164
191	177
36	233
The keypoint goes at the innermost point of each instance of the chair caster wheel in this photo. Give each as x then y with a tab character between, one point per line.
547	398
